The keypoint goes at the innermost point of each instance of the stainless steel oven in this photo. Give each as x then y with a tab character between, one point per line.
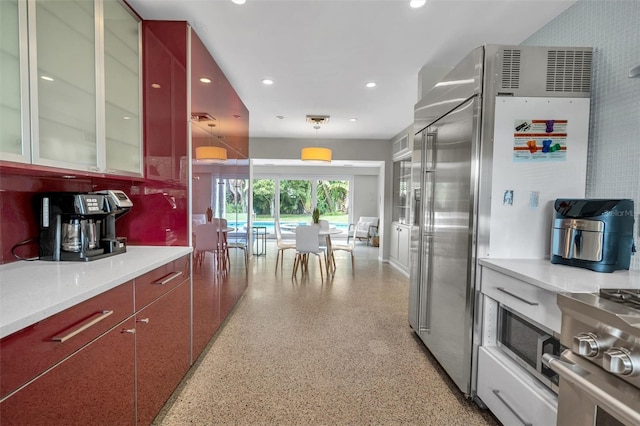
526	341
600	370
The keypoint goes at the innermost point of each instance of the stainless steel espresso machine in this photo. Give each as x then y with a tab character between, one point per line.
81	226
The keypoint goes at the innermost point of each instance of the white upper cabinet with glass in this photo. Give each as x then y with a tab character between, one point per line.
122	65
84	80
14	94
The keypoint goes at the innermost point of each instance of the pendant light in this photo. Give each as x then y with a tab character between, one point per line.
209	153
316	153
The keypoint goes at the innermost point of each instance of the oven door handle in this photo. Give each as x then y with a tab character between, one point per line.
574	374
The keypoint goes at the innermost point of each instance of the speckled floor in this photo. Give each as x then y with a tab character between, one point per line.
307	352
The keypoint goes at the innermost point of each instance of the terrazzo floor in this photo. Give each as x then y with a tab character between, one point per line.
313	352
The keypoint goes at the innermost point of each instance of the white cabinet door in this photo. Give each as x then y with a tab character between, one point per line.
403	245
393	243
14	98
63	83
122	89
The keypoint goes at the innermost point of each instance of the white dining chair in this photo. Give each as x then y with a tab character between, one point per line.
349	247
282	245
307	244
206	241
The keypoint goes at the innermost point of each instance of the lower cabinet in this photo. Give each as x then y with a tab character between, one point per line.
399	246
162	350
511	394
94	386
102	362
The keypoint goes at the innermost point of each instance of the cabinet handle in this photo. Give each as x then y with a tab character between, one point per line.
517	297
128	330
496	392
143	320
167	278
101	315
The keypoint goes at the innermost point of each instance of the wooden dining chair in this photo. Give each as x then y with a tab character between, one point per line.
307	244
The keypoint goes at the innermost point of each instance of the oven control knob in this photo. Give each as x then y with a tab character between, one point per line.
618	361
586	344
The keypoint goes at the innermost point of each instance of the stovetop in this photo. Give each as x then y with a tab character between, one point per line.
627	297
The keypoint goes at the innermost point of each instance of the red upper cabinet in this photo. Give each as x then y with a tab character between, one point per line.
165	100
226	123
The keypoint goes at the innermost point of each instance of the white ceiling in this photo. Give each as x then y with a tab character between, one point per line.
320	54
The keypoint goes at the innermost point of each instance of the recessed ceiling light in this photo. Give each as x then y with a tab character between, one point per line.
371	84
239	1
155	85
205	80
280	117
267	81
417	3
47	78
353	119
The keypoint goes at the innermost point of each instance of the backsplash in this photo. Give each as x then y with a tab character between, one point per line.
158	216
611	28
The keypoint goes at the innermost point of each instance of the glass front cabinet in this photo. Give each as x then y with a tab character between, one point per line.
399	236
83	107
401	184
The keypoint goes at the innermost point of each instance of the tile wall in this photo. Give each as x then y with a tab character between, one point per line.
612	28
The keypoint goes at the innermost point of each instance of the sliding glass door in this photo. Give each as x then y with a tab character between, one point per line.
292	199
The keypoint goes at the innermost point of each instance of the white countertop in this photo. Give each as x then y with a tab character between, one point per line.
33	291
562	278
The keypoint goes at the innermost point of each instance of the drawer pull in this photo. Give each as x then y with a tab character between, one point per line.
143	320
517	297
172	276
101	315
128	331
496	392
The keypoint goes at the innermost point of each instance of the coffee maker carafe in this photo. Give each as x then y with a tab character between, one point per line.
81	226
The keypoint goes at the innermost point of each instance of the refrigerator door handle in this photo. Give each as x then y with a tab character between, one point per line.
429	151
424	311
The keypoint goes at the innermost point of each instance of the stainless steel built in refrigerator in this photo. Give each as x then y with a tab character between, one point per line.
497	140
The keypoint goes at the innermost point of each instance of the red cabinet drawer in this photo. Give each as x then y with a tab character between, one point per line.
28	352
94	386
152	285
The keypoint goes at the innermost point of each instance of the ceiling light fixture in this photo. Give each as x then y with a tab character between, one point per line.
316	154
280	117
239	1
371	84
353	119
417	3
211	154
267	81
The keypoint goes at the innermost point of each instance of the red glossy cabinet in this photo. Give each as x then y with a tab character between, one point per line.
108	360
165	101
28	352
163	344
94	386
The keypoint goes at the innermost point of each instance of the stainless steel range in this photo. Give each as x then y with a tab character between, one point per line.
600	373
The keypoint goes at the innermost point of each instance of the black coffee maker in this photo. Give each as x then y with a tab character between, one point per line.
81	226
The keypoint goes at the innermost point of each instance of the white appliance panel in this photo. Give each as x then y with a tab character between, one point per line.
522	229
